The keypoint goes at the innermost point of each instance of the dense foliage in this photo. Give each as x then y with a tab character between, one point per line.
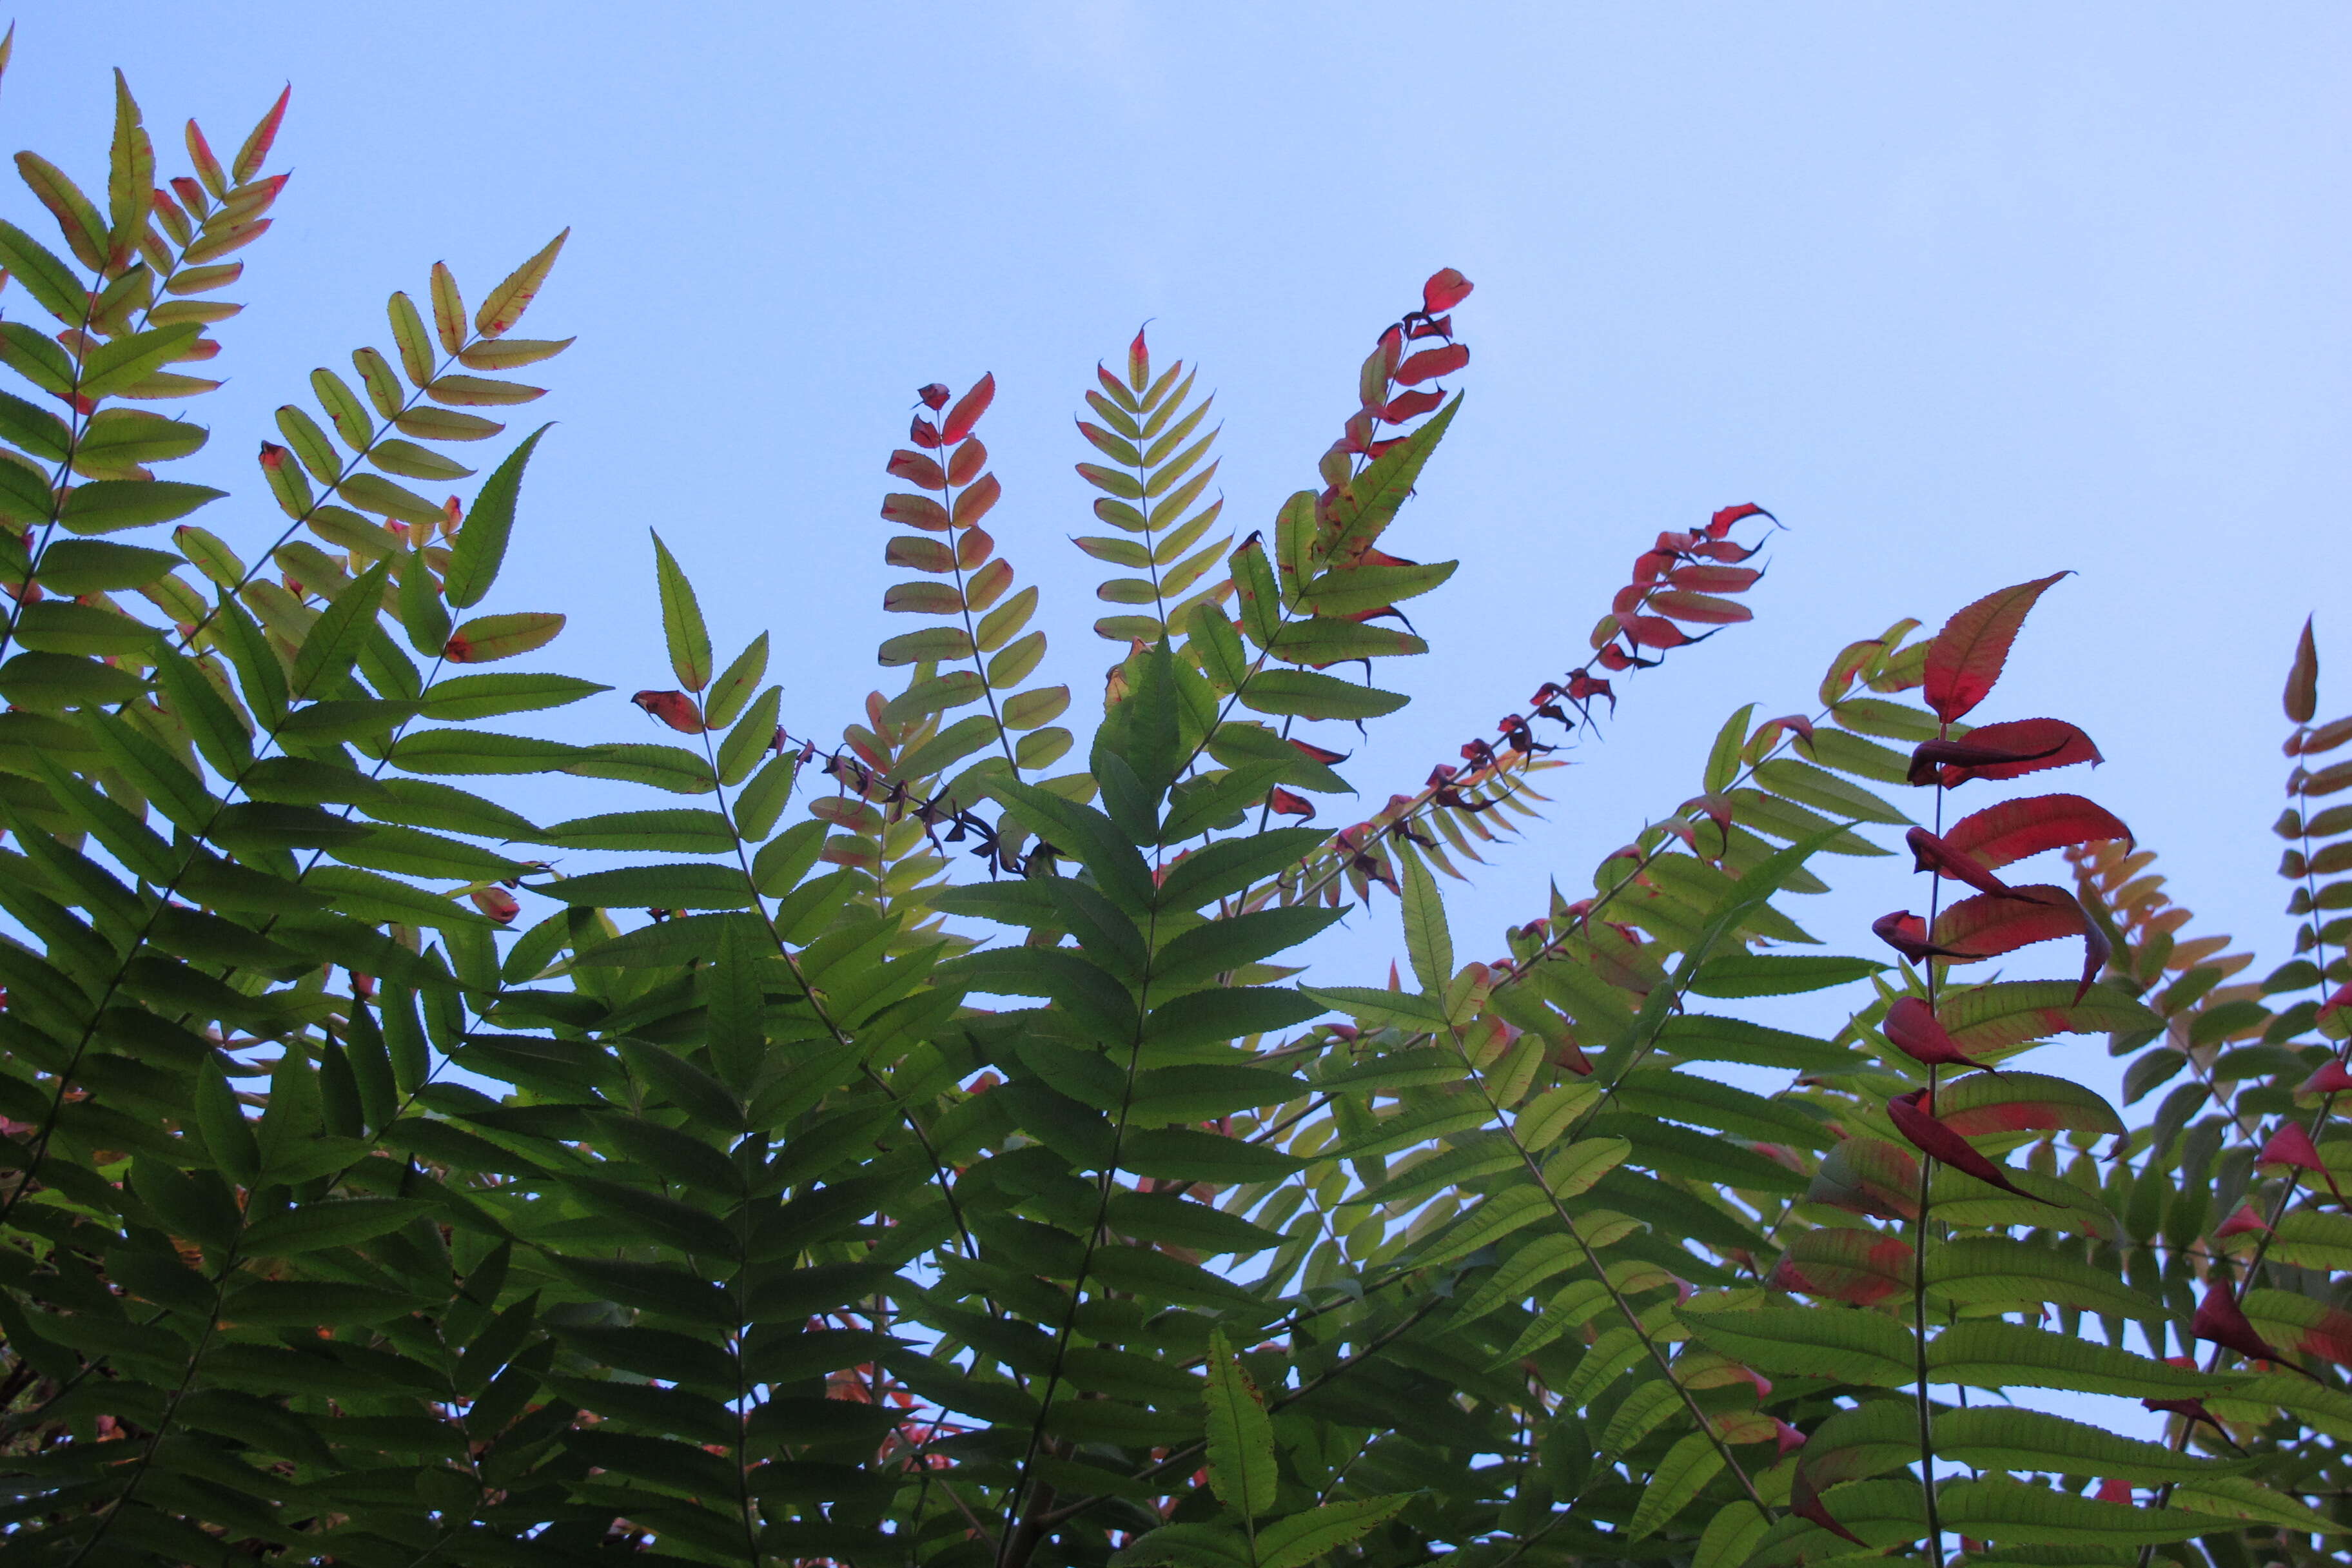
375	1192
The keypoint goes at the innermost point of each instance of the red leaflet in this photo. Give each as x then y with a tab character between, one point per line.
934	397
1911	1028
2219	1321
2003	751
1937	1141
916	469
924	434
2193	1410
2334	1002
1715	579
1929	853
674	709
1654	631
1720	524
1704	608
1992	924
1410	405
2001	834
1316	754
1965	657
968	410
1906	934
916	512
1726	550
1786	1439
1872	1177
2245	1222
2303	679
1430	363
1806	1504
2329	1338
255	150
1446	288
2291	1145
1859	1267
2330	1079
2115	1491
1435	327
496	903
1138	361
1282	802
969	458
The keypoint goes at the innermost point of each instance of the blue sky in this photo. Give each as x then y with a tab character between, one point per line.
1965	294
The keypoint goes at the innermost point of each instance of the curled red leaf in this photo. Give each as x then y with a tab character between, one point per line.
2001	834
2219	1321
923	434
1906	934
1966	658
1656	631
1721	522
1911	1028
1806	1504
675	709
496	902
2245	1222
1446	288
1937	1141
2333	1079
2193	1410
2291	1145
2003	751
1929	853
934	397
1282	802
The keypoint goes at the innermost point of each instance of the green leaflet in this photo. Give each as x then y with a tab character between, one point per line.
1730	1536
1680	1476
1305	694
1241	1436
2004	1355
461	752
1426	939
1851	1347
464	697
2009	1438
678	831
689	640
687	885
365	895
1302	1538
1777	975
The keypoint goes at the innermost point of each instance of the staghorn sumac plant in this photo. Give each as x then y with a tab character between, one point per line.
922	1148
